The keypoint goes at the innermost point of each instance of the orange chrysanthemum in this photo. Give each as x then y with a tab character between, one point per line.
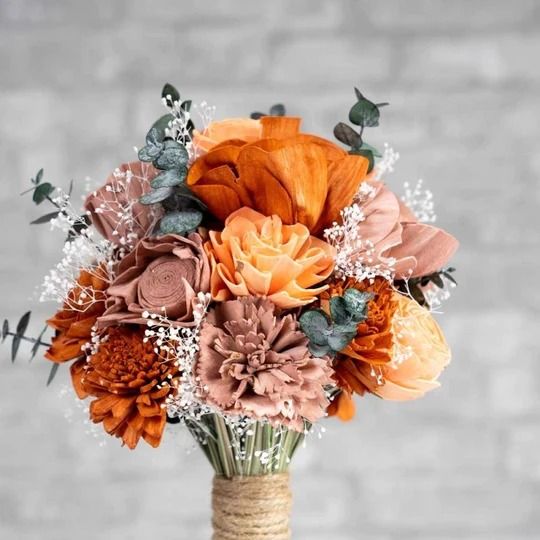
130	383
258	255
299	177
361	361
74	322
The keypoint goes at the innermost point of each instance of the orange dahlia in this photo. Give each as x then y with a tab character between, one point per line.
130	382
74	322
360	362
299	177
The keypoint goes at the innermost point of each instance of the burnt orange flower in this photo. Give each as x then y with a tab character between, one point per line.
361	361
130	383
258	255
74	322
299	177
242	129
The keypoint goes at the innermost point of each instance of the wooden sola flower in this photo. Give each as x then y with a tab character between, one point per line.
129	382
299	177
255	362
259	255
74	322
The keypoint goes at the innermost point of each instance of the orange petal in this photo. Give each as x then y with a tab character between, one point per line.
268	195
221	200
344	179
280	127
342	406
332	151
77	375
224	155
303	171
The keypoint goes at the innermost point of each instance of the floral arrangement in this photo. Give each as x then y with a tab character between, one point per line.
245	279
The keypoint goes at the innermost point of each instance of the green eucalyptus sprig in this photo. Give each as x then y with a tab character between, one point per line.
275	110
329	334
183	210
364	113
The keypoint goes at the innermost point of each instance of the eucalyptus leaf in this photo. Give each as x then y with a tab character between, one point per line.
52	373
45	219
316	325
358	94
338	310
173	156
170	93
256	115
149	152
39	177
372	149
356	303
368	154
5	330
186	105
184	192
180	222
22	325
449	277
319	350
157	195
160	125
338	341
277	110
170	178
438	281
364	113
42	192
15	347
347	135
37	343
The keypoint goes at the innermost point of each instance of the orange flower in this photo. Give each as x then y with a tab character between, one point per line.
130	384
245	130
358	363
259	255
300	178
420	354
74	322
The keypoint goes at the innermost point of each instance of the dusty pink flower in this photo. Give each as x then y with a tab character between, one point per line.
394	231
256	362
114	208
161	275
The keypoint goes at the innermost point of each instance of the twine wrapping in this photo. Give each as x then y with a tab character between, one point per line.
251	507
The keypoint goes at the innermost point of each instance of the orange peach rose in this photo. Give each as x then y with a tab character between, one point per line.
246	130
420	354
258	255
299	177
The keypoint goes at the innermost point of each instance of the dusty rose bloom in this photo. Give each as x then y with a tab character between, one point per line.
395	233
255	362
114	208
161	275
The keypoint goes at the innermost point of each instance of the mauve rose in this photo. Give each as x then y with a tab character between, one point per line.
161	275
114	208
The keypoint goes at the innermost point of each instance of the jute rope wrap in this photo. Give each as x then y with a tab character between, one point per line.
251	507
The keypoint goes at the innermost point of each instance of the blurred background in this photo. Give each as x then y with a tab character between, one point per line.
80	84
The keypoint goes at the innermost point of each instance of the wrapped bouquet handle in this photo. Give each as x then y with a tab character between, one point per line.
251	507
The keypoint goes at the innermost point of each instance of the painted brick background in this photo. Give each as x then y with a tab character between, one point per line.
79	85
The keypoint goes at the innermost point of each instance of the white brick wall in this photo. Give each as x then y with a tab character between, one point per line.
79	85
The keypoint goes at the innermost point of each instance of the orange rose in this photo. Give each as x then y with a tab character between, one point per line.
259	255
420	354
242	129
74	322
300	178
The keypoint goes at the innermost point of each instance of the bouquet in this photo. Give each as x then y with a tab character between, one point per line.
244	279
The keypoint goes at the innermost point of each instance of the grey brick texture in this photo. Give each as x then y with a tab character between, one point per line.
79	85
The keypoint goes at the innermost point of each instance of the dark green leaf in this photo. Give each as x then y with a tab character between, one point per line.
173	156
277	110
347	135
338	341
52	373
15	347
170	178
39	177
37	344
356	303
170	93
180	222
418	295
438	281
157	195
149	152
338	309
159	126
184	192
364	113
5	329
42	192
374	151
449	277
358	94
315	324
45	219
256	115
186	105
22	325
